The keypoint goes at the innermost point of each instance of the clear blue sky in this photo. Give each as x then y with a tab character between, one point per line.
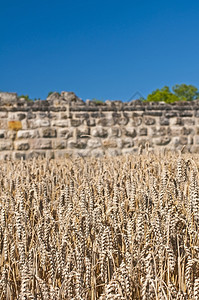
98	49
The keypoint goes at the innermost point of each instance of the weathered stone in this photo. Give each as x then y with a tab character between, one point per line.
65	133
109	143
106	122
128	131
144	143
8	97
186	114
77	144
94	143
11	134
164	121
135	121
97	153
53	96
21	116
30	115
49	133
91	122
158	131
181	140
36	154
113	152
187	131
162	141
188	121
27	134
42	144
82	116
75	122
142	131
59	144
83	132
60	123
6	145
39	123
149	121
170	114
2	134
14	125
22	145
99	132
19	155
114	132
3	114
125	143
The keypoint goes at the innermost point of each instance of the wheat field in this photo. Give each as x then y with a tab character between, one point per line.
106	228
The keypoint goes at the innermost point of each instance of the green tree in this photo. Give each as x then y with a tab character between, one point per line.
163	94
185	92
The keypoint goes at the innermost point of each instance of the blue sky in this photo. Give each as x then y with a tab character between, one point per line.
98	49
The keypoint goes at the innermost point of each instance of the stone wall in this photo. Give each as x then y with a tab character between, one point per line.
64	125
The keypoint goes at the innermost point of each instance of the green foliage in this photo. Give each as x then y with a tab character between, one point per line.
97	101
185	92
50	93
163	94
181	92
25	97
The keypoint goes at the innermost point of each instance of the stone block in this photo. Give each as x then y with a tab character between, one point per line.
113	152
162	141
2	134
129	131
106	122
19	155
42	144
39	123
6	145
27	134
60	123
94	143
14	125
164	121
82	116
83	132
36	154
186	113
99	132
109	143
170	114
91	122
76	122
48	133
21	116
65	133
122	121
187	130
125	143
180	140
142	131
11	134
21	145
158	131
59	144
188	121
135	121
31	115
149	121
114	132
3	114
79	144
97	152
